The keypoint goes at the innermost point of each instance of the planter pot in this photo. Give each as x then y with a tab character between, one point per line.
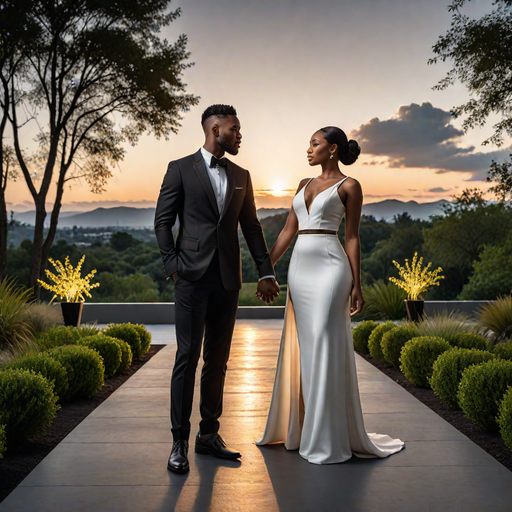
414	309
72	313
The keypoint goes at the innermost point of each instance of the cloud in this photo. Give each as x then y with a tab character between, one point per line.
439	190
422	136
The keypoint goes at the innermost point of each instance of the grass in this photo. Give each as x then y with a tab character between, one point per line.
495	319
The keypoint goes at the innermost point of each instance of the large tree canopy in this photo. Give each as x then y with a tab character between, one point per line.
100	75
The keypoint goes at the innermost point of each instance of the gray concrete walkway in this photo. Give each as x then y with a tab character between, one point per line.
115	460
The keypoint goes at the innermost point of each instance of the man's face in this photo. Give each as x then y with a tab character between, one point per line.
230	136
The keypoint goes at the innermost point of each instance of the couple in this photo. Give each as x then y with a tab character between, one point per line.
315	402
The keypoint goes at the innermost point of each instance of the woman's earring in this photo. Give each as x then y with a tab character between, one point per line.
332	156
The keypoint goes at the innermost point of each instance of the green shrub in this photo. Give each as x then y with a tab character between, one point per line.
3	443
386	300
58	336
125	332
48	367
374	343
448	368
481	390
469	340
496	318
505	418
86	330
108	348
443	325
86	371
145	338
418	356
126	355
503	350
393	341
27	404
361	334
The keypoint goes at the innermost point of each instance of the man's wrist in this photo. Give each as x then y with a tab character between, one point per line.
267	277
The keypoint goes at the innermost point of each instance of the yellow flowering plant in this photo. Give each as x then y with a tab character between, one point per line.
414	279
68	284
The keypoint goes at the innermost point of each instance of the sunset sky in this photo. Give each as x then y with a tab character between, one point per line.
292	66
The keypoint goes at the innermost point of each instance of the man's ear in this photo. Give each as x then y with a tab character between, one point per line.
215	130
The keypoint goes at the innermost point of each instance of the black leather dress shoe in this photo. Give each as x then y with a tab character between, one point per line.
178	462
213	444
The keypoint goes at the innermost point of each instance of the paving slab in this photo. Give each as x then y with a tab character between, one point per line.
115	460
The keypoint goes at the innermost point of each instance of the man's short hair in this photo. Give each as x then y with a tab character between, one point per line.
218	110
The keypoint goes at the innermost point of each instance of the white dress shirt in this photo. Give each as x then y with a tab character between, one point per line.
218	178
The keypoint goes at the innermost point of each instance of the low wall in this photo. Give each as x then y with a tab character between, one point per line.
163	312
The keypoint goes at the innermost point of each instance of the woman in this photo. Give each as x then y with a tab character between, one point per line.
315	402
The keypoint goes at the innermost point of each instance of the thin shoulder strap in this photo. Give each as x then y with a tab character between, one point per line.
341	182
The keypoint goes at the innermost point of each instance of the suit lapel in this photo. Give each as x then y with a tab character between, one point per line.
202	174
230	175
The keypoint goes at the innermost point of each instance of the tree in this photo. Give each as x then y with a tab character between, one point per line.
92	60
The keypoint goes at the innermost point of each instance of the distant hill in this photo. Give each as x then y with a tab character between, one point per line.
125	216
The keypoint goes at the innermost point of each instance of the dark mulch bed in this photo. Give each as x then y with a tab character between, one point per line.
491	443
18	463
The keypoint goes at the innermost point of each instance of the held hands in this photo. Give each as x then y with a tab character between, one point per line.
356	301
268	290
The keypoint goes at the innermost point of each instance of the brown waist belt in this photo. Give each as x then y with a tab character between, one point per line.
317	232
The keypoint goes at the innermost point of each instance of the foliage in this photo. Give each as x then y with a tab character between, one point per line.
27	404
374	342
15	332
393	341
469	340
416	280
448	369
418	356
48	367
503	350
58	336
505	418
128	333
126	355
136	287
69	285
496	318
481	390
444	325
88	330
145	338
40	316
491	275
109	350
86	371
3	441
385	300
501	175
362	333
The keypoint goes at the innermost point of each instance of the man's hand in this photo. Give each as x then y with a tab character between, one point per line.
268	290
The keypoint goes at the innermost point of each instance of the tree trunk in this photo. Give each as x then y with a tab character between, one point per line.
4	224
37	248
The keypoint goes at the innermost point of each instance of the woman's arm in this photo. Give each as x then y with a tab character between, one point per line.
287	233
353	199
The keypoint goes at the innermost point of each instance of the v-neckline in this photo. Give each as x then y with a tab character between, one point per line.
313	200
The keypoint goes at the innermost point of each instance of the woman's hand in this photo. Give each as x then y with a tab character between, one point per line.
356	301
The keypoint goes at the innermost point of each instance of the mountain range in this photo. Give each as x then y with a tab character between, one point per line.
124	216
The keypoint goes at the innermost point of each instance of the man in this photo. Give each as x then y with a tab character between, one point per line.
210	195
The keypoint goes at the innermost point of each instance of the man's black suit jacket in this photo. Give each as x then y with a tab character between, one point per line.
187	193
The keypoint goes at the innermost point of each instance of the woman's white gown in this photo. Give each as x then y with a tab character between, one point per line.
316	362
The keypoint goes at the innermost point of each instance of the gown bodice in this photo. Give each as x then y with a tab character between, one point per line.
326	210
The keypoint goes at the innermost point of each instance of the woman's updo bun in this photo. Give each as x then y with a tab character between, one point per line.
348	150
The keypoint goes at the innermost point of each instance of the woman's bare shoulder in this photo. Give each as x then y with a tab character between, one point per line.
302	184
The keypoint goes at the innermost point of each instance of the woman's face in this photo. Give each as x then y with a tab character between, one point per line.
319	151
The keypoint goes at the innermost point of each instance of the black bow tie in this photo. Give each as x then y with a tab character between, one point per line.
218	161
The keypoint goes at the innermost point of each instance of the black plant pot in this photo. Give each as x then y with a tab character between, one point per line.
72	313
414	309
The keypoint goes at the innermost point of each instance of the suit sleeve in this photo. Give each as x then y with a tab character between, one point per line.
253	233
168	205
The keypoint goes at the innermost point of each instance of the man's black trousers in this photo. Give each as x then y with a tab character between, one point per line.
202	307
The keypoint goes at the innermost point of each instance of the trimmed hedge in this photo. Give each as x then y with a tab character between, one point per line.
393	341
417	358
505	418
27	404
3	444
48	367
126	355
481	391
58	336
128	333
448	368
374	342
503	350
469	340
86	371
108	348
145	338
361	334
